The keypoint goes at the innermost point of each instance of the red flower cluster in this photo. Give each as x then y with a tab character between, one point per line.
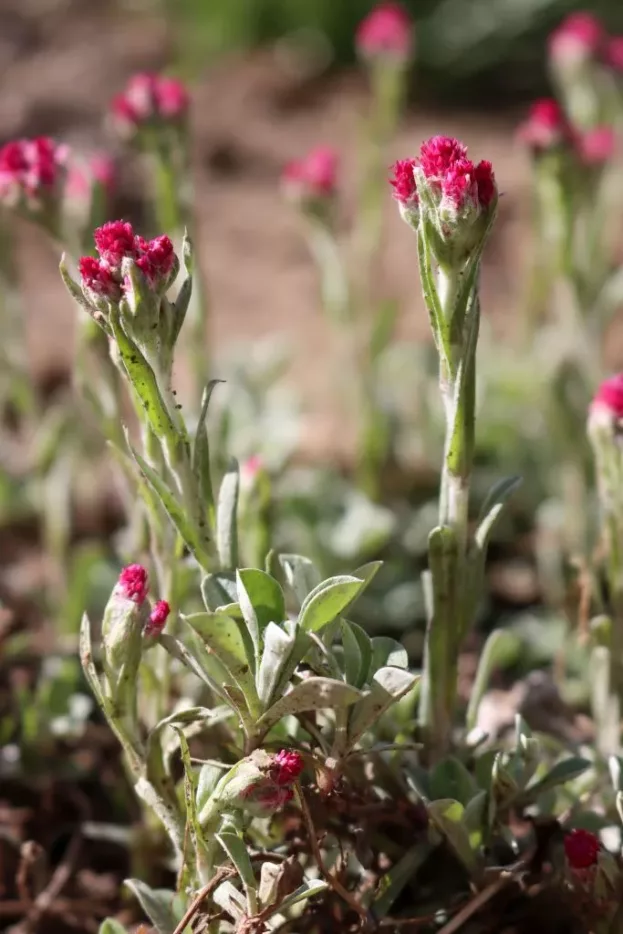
449	172
148	97
116	241
613	55
157	618
609	397
133	583
581	849
386	31
30	168
312	177
286	767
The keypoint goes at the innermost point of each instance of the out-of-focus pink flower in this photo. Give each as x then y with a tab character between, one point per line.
133	583
157	618
100	169
597	146
581	849
31	170
149	97
579	39
613	53
386	31
445	165
116	241
286	767
609	398
314	177
545	127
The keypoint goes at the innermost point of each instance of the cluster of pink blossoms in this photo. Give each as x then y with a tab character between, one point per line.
547	127
386	32
31	170
116	241
582	38
133	584
448	172
147	98
608	399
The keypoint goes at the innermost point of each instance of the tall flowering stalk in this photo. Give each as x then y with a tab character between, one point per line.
450	203
152	113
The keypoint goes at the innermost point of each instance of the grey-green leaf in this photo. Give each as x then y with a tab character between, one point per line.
261	601
311	694
227	518
300	574
447	817
328	600
388	652
388	686
157	905
562	772
278	645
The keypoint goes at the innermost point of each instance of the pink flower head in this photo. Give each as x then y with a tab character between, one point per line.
149	97
98	279
546	126
444	163
156	259
609	398
286	767
597	146
386	32
30	169
577	40
613	53
157	618
313	177
114	241
403	182
581	849
133	583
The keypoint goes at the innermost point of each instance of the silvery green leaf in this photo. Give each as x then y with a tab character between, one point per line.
307	890
261	601
388	685
328	600
219	590
352	662
86	659
311	694
302	645
201	452
447	816
209	669
559	774
198	843
352	631
492	508
230	900
278	645
222	635
393	882
450	779
388	652
300	574
209	777
500	648
237	851
196	540
227	518
157	905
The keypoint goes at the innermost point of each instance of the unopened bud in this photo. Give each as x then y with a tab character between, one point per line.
124	619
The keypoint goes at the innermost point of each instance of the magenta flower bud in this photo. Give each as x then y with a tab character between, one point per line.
405	189
613	53
157	618
546	127
156	259
386	32
597	146
172	99
114	241
32	174
133	583
582	849
313	178
578	40
286	767
97	280
607	405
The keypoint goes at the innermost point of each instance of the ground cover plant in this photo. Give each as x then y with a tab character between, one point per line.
274	657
